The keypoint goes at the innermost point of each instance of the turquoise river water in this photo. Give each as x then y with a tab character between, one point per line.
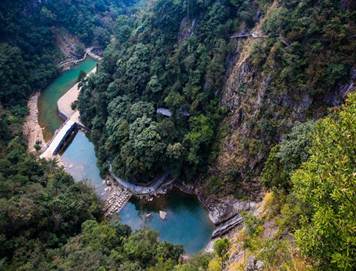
187	222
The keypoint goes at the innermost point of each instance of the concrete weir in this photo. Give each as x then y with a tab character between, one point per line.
115	197
72	117
58	141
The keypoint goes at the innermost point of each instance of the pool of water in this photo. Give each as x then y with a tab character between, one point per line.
186	223
79	160
47	104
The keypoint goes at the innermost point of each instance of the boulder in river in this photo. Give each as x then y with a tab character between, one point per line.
162	214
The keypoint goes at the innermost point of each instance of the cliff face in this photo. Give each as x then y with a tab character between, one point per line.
263	103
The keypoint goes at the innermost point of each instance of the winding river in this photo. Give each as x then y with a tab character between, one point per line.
186	223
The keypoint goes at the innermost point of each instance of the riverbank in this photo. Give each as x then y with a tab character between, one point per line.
64	104
31	128
225	212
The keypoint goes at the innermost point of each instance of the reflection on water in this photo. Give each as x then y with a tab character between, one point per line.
80	161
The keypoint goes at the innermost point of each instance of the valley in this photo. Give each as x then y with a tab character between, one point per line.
177	135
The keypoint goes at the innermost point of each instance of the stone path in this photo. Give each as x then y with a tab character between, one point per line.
66	64
158	186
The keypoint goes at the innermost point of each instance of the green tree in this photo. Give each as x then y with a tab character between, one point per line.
154	84
199	137
325	185
287	156
221	247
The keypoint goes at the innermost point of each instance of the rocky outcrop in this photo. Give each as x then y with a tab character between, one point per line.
260	111
116	198
186	29
221	210
228	225
68	44
253	264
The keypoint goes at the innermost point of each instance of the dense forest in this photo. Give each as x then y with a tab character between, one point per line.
168	98
155	107
251	99
47	221
171	58
28	51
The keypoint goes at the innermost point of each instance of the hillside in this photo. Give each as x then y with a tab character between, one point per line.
29	45
155	104
206	91
249	91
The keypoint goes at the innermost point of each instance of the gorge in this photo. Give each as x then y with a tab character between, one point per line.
210	135
79	160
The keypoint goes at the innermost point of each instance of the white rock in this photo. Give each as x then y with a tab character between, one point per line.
162	214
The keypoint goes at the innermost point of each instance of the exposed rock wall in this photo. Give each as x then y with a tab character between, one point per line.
260	112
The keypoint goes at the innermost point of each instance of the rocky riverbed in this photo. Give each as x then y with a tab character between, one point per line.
115	198
31	128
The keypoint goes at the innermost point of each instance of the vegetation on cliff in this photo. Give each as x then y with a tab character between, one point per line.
302	64
175	93
307	220
172	56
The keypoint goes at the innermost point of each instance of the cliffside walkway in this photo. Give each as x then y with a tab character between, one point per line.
88	52
253	34
155	188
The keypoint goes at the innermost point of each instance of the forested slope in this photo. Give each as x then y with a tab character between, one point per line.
225	100
28	51
48	221
227	95
179	91
304	64
170	56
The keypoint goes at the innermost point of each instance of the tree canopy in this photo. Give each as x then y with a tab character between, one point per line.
325	185
172	57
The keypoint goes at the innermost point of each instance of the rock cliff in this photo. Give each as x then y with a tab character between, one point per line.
263	105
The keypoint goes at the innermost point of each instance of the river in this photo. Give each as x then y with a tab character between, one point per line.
187	222
48	115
